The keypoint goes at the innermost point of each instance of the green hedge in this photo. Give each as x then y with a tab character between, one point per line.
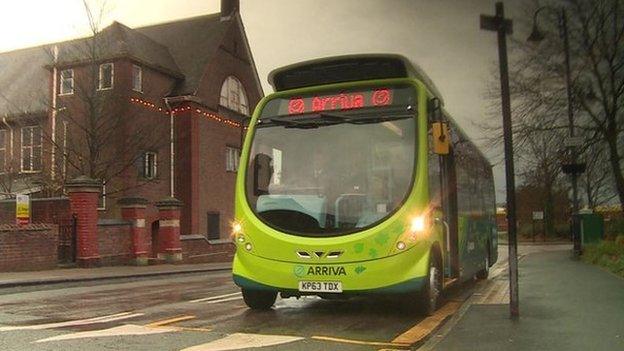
608	254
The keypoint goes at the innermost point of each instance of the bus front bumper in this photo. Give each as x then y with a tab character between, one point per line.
401	273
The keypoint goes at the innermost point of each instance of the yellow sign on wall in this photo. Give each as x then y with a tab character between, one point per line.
22	209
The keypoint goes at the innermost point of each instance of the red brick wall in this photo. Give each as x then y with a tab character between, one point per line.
33	247
115	242
216	185
214	189
196	249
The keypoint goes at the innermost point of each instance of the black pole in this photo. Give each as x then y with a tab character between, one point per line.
575	203
503	27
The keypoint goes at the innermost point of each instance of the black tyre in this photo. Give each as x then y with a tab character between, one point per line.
429	297
483	274
259	299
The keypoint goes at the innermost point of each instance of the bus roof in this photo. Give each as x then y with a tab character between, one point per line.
349	68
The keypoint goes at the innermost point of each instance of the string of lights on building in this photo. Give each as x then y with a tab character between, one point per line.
204	113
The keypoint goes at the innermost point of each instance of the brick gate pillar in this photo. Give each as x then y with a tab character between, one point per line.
133	210
169	229
83	201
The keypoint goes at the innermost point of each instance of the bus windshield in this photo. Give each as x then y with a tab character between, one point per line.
329	174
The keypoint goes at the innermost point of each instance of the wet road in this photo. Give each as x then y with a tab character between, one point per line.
195	312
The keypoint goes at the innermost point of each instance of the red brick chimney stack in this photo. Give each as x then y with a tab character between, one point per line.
229	8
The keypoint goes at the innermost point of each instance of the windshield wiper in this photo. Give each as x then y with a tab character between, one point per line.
329	119
377	119
313	121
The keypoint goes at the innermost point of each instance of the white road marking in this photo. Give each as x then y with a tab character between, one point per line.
102	319
224	300
127	329
215	297
239	341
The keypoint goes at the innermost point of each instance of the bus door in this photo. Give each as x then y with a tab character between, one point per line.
443	195
449	206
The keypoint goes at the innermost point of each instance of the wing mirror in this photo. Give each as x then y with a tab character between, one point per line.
441	138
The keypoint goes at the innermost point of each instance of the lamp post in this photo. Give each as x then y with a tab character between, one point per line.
573	168
503	26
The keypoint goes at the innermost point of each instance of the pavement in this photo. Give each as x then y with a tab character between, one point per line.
70	275
564	305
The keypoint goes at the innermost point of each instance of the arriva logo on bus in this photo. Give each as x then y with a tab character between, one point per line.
301	271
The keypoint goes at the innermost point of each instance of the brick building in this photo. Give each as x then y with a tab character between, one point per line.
151	112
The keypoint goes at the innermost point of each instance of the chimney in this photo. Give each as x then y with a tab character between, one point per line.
228	9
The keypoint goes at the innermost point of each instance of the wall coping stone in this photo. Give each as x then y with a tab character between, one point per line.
203	237
132	201
38	199
169	202
83	184
220	242
112	222
24	228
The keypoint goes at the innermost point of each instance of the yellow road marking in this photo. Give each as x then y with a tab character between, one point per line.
194	329
427	325
359	342
169	321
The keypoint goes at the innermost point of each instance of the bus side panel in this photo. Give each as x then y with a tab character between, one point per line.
474	219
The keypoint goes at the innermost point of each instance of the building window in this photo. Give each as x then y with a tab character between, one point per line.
233	96
150	165
137	78
106	76
214	226
3	139
67	82
31	149
232	155
102	198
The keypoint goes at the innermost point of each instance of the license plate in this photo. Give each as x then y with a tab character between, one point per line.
326	287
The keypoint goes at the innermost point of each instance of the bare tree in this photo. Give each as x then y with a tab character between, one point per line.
98	133
596	35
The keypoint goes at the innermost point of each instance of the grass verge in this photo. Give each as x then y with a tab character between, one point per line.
608	254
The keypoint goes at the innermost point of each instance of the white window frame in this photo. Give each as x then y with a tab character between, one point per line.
112	80
61	90
146	165
102	206
138	69
3	150
31	149
233	96
232	158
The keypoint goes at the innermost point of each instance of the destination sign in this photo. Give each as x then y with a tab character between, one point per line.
342	101
375	97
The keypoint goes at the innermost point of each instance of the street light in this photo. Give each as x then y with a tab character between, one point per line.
573	168
503	26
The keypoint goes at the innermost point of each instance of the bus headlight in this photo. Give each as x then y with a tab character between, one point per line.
400	245
248	247
237	228
237	233
417	225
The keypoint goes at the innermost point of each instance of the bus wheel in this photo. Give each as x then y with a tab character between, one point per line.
430	294
483	274
259	299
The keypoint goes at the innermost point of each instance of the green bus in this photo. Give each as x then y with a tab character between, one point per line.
354	180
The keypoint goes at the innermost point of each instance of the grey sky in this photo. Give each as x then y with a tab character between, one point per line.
442	36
